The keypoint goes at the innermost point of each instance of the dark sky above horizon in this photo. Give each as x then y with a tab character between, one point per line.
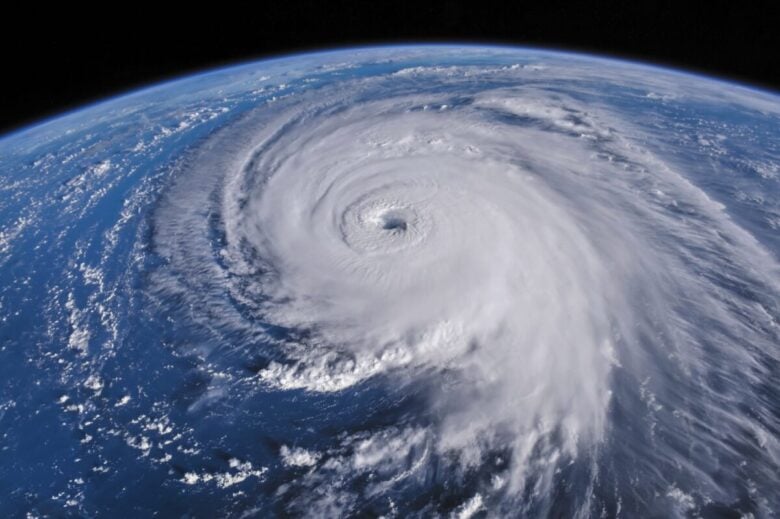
59	63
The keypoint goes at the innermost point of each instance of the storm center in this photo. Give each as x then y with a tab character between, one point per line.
393	222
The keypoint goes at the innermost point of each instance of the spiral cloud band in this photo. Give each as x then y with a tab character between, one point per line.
489	287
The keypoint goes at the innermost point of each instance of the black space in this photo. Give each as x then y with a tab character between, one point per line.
69	59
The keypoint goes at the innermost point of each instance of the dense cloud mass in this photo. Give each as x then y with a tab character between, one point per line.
435	281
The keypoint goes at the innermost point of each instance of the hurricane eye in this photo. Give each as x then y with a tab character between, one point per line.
393	223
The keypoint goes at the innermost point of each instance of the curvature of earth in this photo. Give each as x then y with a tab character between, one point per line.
400	281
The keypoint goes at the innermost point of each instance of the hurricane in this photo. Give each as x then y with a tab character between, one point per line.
406	281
